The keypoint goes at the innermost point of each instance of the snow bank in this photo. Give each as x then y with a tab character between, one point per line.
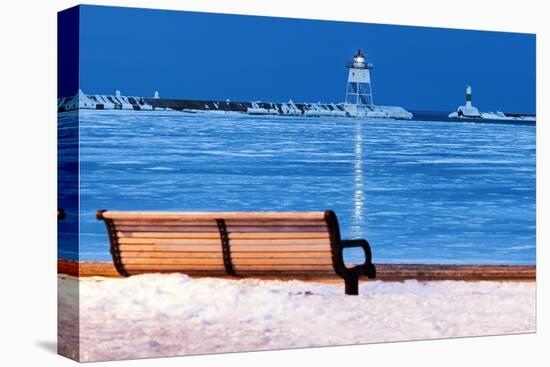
160	315
499	115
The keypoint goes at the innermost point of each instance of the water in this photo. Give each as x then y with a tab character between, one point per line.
420	192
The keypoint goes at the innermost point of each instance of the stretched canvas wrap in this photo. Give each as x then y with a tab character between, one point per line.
234	183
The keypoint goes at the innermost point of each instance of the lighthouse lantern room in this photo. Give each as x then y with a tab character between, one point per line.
359	91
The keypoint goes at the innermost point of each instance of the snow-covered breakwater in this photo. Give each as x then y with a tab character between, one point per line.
102	102
120	102
285	109
157	315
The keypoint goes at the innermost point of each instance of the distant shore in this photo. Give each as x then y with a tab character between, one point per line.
385	272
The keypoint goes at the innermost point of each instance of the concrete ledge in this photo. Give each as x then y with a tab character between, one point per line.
386	272
456	272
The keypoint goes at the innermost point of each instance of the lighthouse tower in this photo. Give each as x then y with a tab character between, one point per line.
468	111
359	91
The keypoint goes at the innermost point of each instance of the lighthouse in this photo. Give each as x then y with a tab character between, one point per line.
468	111
359	91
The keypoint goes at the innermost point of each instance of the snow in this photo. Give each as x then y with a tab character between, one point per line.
261	111
333	110
469	111
378	112
160	315
501	116
393	112
82	101
490	116
79	100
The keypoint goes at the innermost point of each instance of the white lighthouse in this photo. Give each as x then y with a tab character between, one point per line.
359	90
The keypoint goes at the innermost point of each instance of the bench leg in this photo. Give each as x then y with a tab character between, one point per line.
352	284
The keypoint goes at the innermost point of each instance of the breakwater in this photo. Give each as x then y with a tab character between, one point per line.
290	108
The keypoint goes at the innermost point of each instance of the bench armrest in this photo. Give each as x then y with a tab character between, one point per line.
367	268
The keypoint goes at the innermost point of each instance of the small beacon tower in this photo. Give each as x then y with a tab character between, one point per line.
468	96
467	111
359	91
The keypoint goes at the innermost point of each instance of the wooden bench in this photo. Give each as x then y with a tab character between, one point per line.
233	243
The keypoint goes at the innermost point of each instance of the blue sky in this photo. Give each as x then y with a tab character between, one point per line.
245	58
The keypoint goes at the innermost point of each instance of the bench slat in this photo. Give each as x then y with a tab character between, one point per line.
171	254
217	241
284	267
178	261
232	229
190	272
322	262
239	223
214	235
280	241
275	223
240	229
265	274
215	215
277	235
165	222
218	255
309	273
161	235
179	241
279	248
282	261
158	228
182	268
168	248
284	255
239	269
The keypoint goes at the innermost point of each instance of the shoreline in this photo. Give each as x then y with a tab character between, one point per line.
385	272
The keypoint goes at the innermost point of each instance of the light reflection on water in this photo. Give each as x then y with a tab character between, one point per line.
358	198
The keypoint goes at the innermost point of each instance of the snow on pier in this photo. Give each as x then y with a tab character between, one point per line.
102	102
468	111
290	108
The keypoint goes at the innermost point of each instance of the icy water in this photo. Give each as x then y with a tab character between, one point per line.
420	192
